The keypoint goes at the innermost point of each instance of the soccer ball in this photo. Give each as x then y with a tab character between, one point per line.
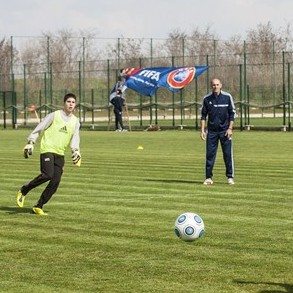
189	227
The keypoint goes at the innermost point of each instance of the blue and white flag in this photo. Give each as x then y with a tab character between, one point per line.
146	81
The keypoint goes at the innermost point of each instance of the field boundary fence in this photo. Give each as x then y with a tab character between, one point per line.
33	82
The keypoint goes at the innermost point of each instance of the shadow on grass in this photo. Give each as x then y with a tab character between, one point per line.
16	210
175	181
287	287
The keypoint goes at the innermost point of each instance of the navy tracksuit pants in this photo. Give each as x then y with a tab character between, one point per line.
118	119
212	142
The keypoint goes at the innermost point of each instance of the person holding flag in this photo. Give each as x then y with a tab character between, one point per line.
119	85
59	129
118	101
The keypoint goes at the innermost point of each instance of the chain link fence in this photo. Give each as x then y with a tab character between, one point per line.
42	70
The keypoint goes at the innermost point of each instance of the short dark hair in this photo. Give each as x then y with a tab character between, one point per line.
69	95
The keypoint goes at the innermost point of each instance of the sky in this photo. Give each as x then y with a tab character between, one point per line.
141	19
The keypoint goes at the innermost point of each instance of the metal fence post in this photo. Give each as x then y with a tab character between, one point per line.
108	86
80	104
93	103
173	98
289	97
24	95
181	107
241	96
14	110
45	93
83	69
196	103
207	74
248	104
284	90
51	86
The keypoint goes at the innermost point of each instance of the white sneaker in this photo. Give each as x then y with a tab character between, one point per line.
231	181
208	181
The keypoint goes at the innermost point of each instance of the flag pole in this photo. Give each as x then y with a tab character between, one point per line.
127	114
109	120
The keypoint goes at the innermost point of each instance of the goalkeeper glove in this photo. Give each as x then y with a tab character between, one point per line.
76	157
28	149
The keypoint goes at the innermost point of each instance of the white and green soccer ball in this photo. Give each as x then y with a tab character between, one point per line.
189	226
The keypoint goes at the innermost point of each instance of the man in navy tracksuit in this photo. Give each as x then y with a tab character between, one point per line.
218	107
118	102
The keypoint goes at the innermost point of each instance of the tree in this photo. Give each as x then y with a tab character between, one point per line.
5	65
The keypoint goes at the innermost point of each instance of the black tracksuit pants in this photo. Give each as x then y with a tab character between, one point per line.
212	142
51	170
118	118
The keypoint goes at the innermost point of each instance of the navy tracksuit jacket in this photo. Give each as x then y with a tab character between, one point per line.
219	110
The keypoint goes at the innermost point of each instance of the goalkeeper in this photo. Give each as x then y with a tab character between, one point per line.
59	129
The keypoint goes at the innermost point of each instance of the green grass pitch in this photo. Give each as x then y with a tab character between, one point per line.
110	224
